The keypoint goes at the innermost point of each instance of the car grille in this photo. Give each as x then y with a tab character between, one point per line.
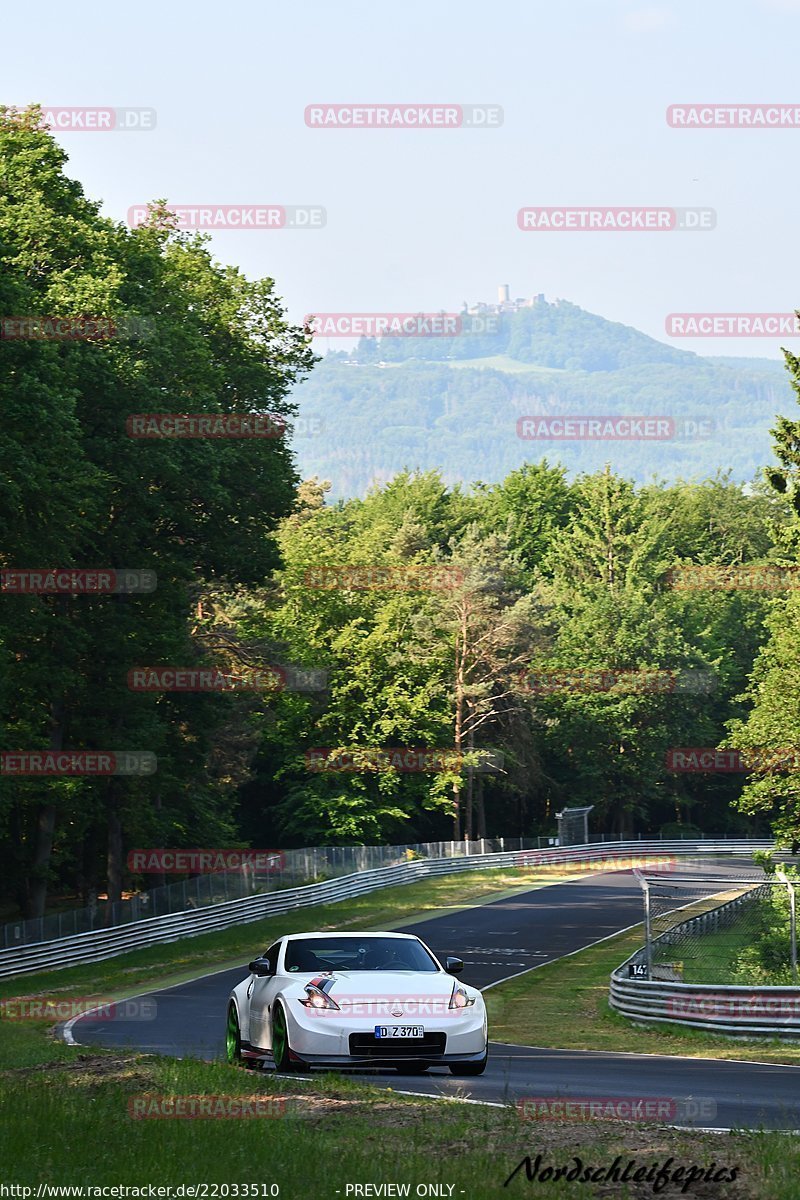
367	1045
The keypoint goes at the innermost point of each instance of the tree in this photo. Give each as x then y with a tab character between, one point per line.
529	508
607	740
489	627
770	735
188	510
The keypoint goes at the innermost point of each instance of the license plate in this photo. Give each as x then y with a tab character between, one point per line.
399	1031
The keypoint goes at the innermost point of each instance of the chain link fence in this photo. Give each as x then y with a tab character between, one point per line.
733	929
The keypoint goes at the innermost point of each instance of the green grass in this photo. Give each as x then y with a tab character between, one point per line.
565	1005
714	955
705	957
67	1121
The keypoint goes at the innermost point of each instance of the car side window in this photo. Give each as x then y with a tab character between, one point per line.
271	956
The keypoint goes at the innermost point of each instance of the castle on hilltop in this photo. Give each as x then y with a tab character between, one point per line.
504	303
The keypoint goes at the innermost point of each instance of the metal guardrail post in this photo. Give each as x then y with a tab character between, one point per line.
792	920
648	931
793	926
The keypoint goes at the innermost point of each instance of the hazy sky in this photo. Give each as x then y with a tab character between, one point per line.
424	219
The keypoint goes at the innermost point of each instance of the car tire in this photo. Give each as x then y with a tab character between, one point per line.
233	1038
412	1068
281	1050
470	1068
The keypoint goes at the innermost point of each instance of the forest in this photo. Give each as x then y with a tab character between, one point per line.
432	658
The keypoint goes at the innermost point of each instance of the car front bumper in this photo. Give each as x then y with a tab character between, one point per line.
326	1039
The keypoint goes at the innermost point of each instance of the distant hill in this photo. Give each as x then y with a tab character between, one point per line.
453	403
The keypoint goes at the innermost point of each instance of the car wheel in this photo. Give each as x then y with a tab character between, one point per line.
412	1068
470	1068
280	1042
233	1038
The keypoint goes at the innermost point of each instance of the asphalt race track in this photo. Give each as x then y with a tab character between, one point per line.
496	940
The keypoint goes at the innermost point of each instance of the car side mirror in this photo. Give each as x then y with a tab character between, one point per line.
260	966
453	966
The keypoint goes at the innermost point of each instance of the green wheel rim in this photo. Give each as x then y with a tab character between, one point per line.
232	1035
278	1036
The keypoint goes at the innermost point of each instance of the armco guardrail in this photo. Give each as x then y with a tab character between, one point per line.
102	944
721	1008
732	1009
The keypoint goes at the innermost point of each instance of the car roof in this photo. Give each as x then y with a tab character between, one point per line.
295	937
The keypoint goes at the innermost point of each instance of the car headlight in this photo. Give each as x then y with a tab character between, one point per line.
317	998
460	997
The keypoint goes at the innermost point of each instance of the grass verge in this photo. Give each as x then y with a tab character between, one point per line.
68	1122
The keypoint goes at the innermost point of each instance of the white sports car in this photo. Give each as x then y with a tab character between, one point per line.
354	1000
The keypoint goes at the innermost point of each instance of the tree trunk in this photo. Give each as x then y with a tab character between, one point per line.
45	828
16	825
87	876
480	807
115	790
458	738
37	887
158	878
114	860
470	788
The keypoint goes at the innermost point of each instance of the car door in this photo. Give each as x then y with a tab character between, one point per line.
262	993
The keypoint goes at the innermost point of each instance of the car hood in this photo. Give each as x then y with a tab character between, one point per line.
349	987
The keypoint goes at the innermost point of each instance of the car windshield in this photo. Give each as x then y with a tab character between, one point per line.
357	954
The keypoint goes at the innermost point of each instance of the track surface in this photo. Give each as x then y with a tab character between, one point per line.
496	940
